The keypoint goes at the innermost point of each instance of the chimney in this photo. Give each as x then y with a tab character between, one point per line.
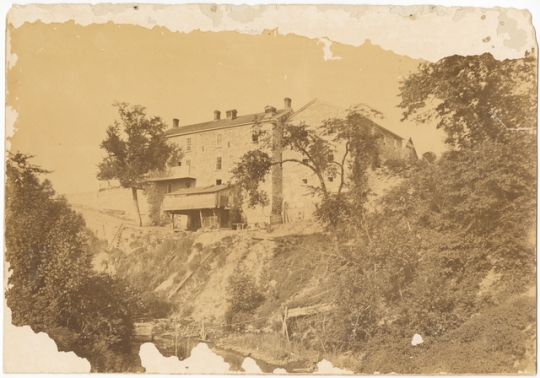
217	115
175	122
287	102
269	110
231	114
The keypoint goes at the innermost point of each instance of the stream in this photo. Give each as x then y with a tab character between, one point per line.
166	345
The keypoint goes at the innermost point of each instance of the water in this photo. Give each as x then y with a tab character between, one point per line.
166	345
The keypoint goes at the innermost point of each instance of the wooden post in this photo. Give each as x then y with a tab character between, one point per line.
284	327
202	333
200	214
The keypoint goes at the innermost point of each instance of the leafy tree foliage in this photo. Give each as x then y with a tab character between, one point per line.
473	98
135	146
350	137
420	262
243	292
52	286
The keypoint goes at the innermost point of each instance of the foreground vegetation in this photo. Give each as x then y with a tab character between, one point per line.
52	286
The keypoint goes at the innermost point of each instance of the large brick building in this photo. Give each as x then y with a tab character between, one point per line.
195	191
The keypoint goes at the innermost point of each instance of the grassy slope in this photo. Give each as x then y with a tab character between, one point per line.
292	271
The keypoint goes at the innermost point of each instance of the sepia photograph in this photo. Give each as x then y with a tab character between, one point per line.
270	189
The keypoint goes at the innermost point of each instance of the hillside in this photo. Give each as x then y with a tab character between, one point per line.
184	282
355	295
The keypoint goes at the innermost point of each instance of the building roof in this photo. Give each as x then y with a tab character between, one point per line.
220	124
201	190
342	114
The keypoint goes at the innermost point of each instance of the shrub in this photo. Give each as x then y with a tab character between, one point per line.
244	294
154	197
154	305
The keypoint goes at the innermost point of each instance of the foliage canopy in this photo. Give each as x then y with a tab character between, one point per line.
52	287
135	146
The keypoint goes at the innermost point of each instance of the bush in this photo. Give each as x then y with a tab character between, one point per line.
244	294
154	306
154	196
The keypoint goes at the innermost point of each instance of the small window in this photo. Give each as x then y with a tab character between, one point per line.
255	137
169	188
219	139
188	145
304	181
218	182
395	144
218	164
228	144
179	163
202	148
188	163
330	179
305	161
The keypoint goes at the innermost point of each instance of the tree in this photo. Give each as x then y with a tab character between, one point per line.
423	256
473	98
52	286
135	146
351	137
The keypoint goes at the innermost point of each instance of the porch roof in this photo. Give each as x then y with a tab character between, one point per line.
201	190
209	197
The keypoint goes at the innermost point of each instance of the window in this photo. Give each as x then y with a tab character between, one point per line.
218	164
179	163
219	139
330	179
188	145
169	188
255	137
304	181
305	161
228	144
202	148
218	182
395	144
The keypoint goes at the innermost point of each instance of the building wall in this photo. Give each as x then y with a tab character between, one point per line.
205	150
297	199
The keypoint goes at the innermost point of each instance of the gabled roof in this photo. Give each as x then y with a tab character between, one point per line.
221	124
201	190
315	100
341	112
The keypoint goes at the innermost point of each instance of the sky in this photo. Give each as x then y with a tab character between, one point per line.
66	75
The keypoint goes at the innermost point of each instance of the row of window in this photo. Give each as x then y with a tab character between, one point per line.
219	163
330	179
219	141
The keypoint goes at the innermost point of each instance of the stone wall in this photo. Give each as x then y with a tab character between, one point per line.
116	199
288	185
205	151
